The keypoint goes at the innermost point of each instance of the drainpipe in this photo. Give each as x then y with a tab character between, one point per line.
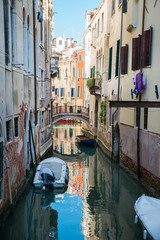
119	78
139	109
34	53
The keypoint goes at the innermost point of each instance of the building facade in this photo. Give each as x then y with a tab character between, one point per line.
25	99
124	55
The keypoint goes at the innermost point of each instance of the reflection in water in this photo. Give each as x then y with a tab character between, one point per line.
97	205
64	139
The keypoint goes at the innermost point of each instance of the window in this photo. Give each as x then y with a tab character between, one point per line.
145	118
119	2
146	48
79	72
24	40
42	84
6	32
79	92
16	126
110	64
80	57
1	168
62	92
124	59
117	58
59	73
65	133
124	6
53	88
49	117
14	32
37	117
72	92
102	22
113	7
136	51
66	73
98	29
9	133
60	42
28	44
43	119
74	71
40	18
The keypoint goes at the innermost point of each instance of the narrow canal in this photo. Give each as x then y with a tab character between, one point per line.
98	203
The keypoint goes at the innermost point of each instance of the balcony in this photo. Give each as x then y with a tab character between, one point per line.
94	85
54	66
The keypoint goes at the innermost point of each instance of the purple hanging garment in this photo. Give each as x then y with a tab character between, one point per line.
139	86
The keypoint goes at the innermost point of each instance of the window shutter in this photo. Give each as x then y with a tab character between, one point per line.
93	71
146	48
117	58
124	59
136	52
55	91
71	92
124	7
110	63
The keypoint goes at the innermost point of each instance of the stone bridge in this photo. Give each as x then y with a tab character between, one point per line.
63	112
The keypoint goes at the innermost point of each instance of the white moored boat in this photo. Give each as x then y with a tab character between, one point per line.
51	173
148	212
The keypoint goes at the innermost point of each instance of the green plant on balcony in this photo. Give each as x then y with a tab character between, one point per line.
90	82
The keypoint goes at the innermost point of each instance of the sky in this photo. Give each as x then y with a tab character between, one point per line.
69	17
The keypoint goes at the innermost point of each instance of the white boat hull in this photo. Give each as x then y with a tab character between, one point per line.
148	211
59	169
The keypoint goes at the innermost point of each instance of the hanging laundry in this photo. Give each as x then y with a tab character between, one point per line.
140	85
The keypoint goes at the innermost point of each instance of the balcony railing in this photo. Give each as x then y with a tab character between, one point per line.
94	85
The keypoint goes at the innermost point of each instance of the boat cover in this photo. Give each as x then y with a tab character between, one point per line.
46	170
148	210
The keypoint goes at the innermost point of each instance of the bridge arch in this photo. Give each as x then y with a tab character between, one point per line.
60	116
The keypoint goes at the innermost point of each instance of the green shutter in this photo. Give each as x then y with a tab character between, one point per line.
117	59
110	64
124	6
93	71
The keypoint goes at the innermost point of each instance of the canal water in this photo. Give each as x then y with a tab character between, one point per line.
97	205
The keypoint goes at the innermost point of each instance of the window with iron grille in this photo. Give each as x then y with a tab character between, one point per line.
9	132
16	126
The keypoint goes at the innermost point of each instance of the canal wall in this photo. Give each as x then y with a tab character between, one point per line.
146	178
